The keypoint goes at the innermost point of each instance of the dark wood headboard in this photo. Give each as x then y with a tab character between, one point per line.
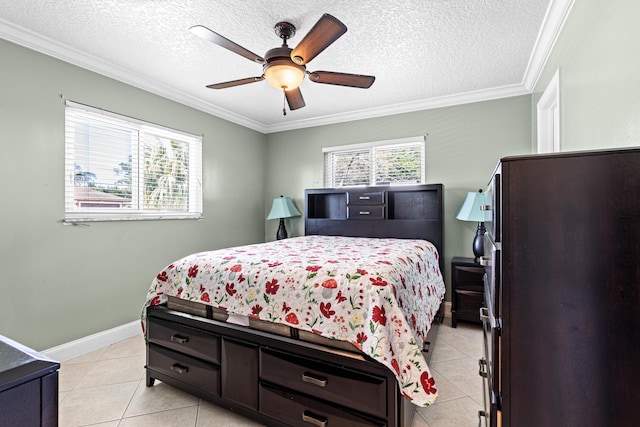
404	212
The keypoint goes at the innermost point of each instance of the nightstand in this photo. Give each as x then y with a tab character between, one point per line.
28	386
467	288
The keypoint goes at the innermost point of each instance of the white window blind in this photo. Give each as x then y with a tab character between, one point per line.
120	168
399	161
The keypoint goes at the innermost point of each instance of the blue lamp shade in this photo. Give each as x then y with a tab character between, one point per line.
471	210
282	208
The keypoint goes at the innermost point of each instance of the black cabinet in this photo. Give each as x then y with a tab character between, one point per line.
28	387
467	287
562	321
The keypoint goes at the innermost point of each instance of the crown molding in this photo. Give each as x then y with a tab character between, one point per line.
552	24
34	41
407	107
554	20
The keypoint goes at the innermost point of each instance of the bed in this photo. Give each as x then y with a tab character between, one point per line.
332	328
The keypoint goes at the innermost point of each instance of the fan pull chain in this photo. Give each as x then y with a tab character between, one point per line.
284	99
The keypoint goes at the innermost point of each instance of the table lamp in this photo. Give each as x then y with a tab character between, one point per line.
282	208
471	211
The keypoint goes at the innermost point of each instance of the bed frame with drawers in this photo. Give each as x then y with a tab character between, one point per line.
282	379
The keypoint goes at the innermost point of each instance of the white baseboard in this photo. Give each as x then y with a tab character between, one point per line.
76	348
447	309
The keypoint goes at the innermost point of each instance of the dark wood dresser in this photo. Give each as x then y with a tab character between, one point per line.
28	387
562	321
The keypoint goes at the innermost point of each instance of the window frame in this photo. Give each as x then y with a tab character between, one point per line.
371	147
73	213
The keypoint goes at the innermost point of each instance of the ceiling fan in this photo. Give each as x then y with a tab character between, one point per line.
285	68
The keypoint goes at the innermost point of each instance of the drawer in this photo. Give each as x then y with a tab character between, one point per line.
304	411
468	276
365	198
469	301
365	212
356	390
189	370
192	341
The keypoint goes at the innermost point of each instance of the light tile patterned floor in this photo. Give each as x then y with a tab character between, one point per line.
107	388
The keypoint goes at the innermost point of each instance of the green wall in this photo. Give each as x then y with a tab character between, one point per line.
60	282
597	54
463	146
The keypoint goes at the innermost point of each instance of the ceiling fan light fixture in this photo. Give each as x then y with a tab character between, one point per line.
284	74
285	68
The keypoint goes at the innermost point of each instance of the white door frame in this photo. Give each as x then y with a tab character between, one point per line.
549	117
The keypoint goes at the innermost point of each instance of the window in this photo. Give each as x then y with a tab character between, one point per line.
399	161
119	168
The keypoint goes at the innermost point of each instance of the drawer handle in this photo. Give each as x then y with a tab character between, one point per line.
364	213
484	314
365	197
179	369
316	420
483	368
481	415
319	381
179	339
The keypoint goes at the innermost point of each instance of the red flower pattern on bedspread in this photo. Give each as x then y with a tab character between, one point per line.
326	310
379	315
193	271
272	287
230	289
427	383
381	295
378	281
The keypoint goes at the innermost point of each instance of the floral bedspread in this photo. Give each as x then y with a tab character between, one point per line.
379	294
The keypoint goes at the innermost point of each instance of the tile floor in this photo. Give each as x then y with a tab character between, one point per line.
107	388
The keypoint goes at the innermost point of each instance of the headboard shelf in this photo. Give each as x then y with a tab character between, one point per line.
404	212
327	205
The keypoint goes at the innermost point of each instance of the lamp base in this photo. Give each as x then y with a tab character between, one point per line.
282	231
478	242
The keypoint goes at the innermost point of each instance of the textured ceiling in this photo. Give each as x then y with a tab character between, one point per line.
421	52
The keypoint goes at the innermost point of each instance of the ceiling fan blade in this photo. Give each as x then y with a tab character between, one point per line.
294	98
233	83
326	31
342	79
212	36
